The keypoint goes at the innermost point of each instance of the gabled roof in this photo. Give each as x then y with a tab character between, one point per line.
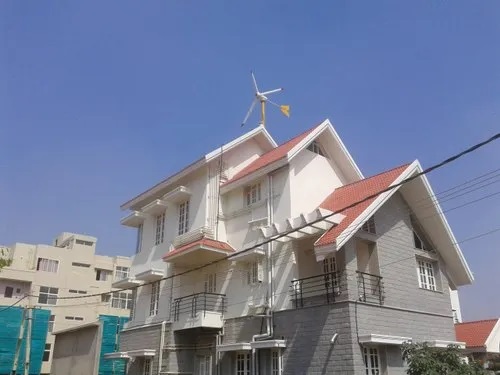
205	243
259	131
431	216
284	153
352	193
269	157
475	334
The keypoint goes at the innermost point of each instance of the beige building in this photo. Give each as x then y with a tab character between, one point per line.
69	267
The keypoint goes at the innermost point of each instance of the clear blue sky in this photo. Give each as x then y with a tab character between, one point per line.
100	100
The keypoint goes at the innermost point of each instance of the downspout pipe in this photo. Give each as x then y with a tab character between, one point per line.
162	344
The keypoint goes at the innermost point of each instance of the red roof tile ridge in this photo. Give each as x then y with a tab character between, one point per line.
406	165
478	321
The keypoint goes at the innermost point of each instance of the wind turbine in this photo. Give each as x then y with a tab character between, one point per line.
262	97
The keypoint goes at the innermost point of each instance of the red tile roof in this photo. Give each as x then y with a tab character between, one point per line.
270	157
349	194
475	334
204	242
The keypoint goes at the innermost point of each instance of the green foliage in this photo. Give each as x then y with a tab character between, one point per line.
4	262
425	360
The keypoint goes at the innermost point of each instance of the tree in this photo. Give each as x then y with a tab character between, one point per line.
5	261
425	360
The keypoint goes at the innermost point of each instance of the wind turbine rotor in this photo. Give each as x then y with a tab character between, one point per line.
252	106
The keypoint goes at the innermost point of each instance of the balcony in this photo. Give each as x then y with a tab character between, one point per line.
318	290
370	288
200	310
201	251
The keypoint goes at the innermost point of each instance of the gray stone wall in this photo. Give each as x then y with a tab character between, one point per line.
141	338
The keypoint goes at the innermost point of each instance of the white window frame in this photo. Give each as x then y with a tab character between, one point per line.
426	271
160	229
121	300
315	147
183	217
102	274
47	349
47	265
147	368
50	293
276	362
243	359
204	363
121	272
253	194
371	358
211	283
138	244
254	272
155	298
369	226
52	321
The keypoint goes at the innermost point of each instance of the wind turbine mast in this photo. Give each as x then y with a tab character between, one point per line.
262	98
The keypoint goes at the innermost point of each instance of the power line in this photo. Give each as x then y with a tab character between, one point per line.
287	233
14	304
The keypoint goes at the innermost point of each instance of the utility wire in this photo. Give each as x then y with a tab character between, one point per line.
14	304
287	233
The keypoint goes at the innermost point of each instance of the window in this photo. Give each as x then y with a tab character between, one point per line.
183	217
160	229
52	320
316	148
369	226
46	353
243	363
419	243
121	300
77	291
139	239
83	265
330	269
426	277
121	272
47	265
155	298
73	318
276	362
102	275
211	283
204	365
8	292
254	273
85	243
48	295
252	194
147	366
105	298
372	362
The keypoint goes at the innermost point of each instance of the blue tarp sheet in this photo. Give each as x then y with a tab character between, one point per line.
111	327
10	324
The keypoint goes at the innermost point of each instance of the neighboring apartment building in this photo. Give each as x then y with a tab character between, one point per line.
338	295
67	268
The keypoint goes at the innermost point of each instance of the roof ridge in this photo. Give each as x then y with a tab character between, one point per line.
375	175
478	321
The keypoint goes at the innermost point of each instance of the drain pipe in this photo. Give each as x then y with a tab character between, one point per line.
270	295
162	344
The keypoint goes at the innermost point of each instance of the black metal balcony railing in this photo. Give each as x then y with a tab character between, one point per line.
370	288
199	302
318	290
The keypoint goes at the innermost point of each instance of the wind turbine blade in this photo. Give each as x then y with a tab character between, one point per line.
254	82
252	106
272	91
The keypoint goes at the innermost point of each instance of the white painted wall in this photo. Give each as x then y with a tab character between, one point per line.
493	342
455	305
312	179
